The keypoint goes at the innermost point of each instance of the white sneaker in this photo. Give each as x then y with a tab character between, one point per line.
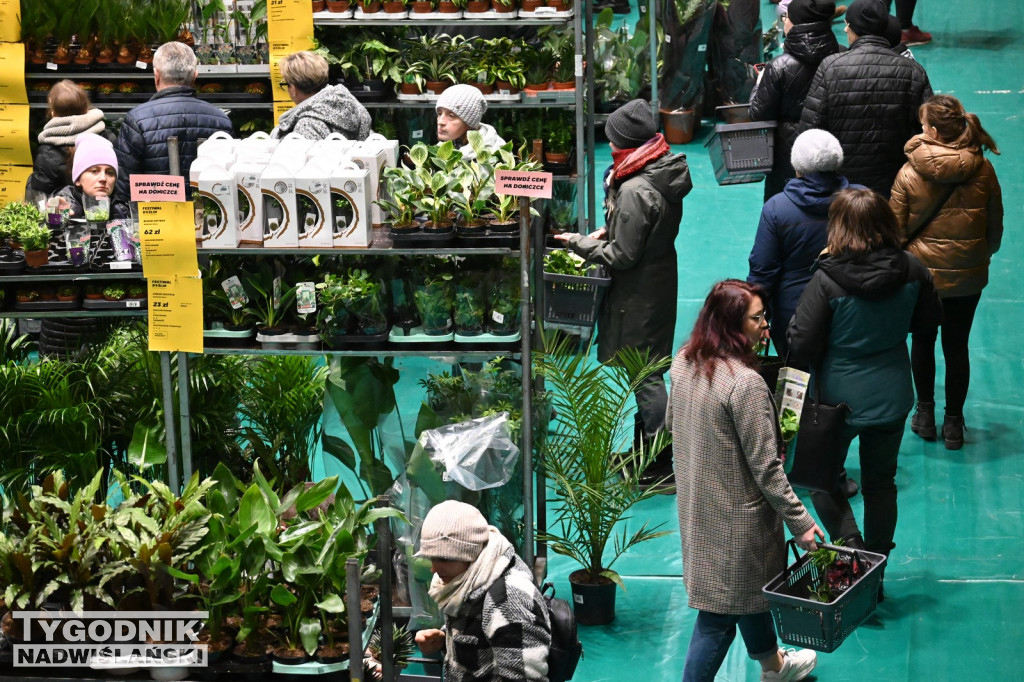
796	665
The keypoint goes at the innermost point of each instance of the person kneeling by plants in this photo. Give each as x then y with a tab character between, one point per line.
644	190
460	109
488	596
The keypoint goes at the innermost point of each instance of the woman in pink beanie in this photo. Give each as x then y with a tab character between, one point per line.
94	174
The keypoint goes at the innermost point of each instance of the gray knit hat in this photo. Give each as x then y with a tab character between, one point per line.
816	151
631	125
464	101
453	530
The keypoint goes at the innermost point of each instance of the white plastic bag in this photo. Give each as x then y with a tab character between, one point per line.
477	454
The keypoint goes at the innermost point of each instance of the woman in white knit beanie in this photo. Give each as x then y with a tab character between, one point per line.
461	108
488	597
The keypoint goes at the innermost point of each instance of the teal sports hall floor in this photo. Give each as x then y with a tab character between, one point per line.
955	586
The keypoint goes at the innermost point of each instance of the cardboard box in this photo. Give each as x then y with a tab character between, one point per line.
280	209
351	220
249	201
219	228
374	159
313	199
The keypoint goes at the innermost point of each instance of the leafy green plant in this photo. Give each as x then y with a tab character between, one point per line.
591	465
564	262
470	303
34	237
270	304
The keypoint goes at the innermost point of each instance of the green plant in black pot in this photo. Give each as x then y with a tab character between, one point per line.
434	295
470	303
363	296
333	318
272	297
503	299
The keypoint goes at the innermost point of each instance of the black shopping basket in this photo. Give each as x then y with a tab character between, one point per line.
805	622
742	152
573	300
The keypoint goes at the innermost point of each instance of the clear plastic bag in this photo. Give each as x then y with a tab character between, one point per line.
477	454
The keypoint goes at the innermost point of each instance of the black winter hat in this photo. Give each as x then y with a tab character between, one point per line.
631	125
810	11
868	17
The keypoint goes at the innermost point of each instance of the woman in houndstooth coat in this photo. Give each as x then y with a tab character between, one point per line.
732	492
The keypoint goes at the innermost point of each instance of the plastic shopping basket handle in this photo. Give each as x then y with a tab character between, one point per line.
841	549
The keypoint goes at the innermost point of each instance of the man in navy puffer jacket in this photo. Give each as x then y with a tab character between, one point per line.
174	111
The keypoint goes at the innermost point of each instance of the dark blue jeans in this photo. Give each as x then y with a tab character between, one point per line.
713	634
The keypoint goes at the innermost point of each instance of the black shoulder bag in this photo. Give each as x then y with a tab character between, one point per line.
817	459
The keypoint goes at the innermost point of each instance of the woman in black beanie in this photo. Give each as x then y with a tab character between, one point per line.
644	190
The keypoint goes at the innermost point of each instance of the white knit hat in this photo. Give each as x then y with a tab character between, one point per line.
816	151
453	530
464	101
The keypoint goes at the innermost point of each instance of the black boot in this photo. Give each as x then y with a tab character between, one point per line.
847	486
953	432
923	421
660	470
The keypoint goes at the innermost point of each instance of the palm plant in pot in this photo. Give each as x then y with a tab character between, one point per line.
594	468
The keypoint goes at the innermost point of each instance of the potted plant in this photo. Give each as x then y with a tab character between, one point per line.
367	6
423	6
509	71
114	292
470	303
35	241
270	300
593	468
558	145
439	62
503	299
434	296
503	6
395	6
367	62
451	7
687	28
66	292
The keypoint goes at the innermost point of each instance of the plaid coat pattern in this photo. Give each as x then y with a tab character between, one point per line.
732	492
502	632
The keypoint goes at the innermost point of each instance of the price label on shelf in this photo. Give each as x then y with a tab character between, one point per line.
14	147
12	70
10	22
167	233
120	265
522	184
290	21
176	314
12	182
133	304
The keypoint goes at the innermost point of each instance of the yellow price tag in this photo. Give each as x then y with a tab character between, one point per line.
10	22
14	146
290	21
167	233
176	314
12	73
12	182
280	108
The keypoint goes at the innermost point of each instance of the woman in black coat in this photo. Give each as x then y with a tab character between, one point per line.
779	94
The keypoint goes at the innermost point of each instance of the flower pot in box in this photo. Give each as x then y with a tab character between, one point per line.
436	87
679	125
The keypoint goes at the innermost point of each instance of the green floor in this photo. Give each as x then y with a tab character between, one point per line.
955	584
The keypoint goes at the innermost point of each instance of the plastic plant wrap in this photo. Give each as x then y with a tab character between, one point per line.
477	454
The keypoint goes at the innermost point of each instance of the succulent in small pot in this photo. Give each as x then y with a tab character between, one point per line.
93	292
136	291
35	241
67	292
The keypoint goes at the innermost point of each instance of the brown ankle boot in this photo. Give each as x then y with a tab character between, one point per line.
923	421
953	432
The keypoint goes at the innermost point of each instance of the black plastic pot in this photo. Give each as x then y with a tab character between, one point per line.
593	604
370	90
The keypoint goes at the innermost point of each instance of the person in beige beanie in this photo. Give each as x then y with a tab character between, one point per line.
488	597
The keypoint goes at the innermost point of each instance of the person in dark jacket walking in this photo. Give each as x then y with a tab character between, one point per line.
794	228
868	98
779	95
850	328
644	192
174	111
320	109
69	115
946	164
496	622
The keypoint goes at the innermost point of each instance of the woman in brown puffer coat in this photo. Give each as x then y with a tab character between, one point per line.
947	176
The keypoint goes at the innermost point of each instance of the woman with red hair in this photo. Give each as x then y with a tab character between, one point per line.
732	493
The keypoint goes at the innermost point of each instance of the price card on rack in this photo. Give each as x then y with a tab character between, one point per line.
12	73
167	234
290	21
176	314
10	23
14	148
12	182
280	108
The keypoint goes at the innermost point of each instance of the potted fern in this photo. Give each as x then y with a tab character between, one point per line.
593	468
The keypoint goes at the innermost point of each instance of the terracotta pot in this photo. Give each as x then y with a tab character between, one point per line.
447	7
338	5
564	85
371	8
484	88
436	87
556	158
560	6
502	9
394	6
679	125
530	5
410	89
536	87
422	7
478	6
319	5
505	86
34	259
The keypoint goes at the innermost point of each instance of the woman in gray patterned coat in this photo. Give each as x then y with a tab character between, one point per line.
496	623
320	109
732	493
